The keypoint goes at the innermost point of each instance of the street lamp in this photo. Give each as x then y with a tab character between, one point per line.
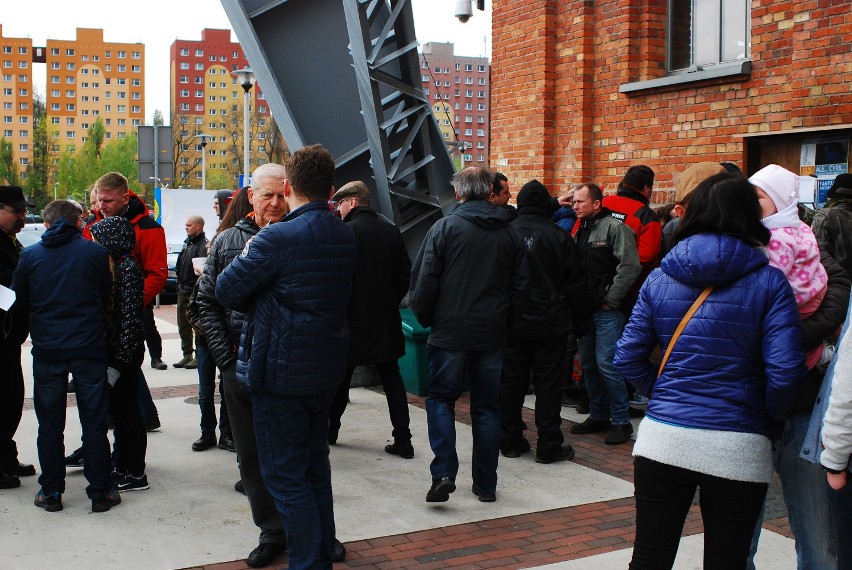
203	138
246	79
55	188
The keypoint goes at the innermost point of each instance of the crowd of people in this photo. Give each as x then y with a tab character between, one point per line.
721	312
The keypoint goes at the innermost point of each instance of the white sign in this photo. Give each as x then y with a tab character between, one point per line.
176	205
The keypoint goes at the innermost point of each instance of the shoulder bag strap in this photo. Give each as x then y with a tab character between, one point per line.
681	326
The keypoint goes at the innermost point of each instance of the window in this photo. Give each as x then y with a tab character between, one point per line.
26	119
184	106
707	32
480	94
184	92
70	66
22	92
54	51
480	119
121	81
23	106
480	144
108	67
184	79
468	119
7	105
7	133
7	63
480	106
480	132
135	82
468	132
184	65
121	54
24	161
69	121
458	67
480	81
54	79
468	93
135	55
22	64
54	65
136	68
122	108
480	68
199	93
135	109
53	107
54	120
468	80
468	106
212	58
184	51
199	66
69	52
7	49
468	67
199	53
122	68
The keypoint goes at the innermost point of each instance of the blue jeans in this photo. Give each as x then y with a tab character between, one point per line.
607	391
207	391
447	371
50	389
292	445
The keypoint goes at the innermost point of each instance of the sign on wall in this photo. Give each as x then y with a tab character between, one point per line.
824	159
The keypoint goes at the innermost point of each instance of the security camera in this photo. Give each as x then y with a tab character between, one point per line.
463	10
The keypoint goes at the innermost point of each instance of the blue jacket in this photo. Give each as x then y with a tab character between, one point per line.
737	363
293	281
65	285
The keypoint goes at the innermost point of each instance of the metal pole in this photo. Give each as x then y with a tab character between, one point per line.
246	136
203	165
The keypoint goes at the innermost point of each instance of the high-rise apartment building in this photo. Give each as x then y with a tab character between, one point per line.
463	84
207	99
16	97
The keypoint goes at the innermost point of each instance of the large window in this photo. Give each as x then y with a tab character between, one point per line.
707	32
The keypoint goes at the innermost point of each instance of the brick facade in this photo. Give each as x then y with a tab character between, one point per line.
558	115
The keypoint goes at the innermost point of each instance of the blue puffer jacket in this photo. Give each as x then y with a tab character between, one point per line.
294	281
737	363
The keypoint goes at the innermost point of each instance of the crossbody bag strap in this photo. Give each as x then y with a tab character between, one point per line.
682	325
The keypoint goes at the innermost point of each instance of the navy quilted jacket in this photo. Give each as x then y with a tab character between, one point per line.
737	363
294	281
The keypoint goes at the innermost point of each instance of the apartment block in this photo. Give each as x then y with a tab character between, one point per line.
16	97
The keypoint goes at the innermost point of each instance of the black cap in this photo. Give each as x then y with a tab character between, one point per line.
13	196
533	193
842	187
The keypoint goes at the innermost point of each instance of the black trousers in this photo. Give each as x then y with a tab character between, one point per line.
152	335
663	497
538	360
11	403
131	441
394	393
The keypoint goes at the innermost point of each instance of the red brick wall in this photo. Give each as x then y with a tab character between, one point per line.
557	114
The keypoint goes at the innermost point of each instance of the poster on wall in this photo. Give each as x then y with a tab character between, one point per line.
824	159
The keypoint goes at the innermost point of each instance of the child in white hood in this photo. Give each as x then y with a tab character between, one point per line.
793	247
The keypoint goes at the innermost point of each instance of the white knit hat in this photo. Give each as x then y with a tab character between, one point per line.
781	185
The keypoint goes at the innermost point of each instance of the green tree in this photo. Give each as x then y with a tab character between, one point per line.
219	179
39	170
158	119
8	168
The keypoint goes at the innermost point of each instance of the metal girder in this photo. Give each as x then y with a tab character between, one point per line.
345	73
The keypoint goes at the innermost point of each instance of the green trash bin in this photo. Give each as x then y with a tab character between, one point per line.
414	365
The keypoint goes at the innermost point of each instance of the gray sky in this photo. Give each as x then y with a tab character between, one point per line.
157	23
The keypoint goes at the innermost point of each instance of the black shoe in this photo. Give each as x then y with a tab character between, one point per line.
158	364
130	483
9	481
483	496
332	436
264	554
206	441
105	503
635	412
564	453
239	487
440	490
226	442
338	551
516	451
591	426
618	433
24	470
187	358
152	424
75	459
51	502
402	448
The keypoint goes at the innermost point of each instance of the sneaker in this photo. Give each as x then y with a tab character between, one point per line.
226	442
75	459
483	496
591	426
618	433
130	483
51	502
638	400
564	453
206	441
158	364
192	364
153	424
402	448
440	490
105	503
187	358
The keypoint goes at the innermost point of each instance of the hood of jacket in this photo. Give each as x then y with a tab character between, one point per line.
632	194
483	214
116	234
712	259
59	233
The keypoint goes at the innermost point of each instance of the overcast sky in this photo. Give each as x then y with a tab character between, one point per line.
157	23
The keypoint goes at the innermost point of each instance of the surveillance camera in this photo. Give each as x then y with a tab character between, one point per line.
463	10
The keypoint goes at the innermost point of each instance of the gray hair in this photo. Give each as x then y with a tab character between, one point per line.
473	183
64	209
268	170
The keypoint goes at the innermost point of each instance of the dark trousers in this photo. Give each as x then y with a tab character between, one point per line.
394	393
538	360
131	440
11	403
152	335
184	327
663	497
146	402
262	506
840	503
206	390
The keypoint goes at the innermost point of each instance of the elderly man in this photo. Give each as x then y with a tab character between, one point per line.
468	310
195	245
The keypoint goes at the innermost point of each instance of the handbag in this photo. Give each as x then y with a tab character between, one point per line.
682	324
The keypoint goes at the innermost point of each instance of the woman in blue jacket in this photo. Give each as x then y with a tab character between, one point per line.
730	376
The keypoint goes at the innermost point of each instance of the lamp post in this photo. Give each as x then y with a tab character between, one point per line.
55	189
246	78
203	138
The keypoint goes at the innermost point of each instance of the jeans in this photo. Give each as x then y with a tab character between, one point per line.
292	434
607	392
664	495
184	327
447	371
806	494
131	440
11	403
50	389
206	391
152	335
540	360
394	394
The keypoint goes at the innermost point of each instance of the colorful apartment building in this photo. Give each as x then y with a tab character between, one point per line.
464	85
207	99
16	97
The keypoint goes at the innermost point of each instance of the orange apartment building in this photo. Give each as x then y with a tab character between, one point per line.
16	97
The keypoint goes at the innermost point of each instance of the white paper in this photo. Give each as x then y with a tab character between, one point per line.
807	189
7	297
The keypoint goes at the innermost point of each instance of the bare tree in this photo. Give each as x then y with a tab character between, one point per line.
187	157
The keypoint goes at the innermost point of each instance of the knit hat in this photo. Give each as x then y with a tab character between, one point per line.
841	187
693	176
533	194
781	185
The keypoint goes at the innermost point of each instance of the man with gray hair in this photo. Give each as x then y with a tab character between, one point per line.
462	284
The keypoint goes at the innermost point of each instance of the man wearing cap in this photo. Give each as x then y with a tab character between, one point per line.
13	212
382	272
221	201
833	223
684	185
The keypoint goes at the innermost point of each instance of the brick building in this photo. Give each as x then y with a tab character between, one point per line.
582	90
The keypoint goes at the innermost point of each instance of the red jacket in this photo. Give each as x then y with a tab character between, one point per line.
150	249
632	208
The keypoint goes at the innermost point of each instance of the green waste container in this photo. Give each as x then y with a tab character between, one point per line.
414	365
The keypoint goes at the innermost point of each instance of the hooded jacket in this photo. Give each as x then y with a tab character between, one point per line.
831	226
125	336
465	277
631	207
738	362
64	284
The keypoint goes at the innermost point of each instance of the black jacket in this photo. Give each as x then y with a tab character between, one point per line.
466	274
15	324
192	247
557	301
222	327
382	272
